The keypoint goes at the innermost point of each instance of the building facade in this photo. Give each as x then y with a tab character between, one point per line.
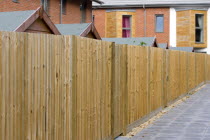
140	23
178	23
192	27
31	21
60	11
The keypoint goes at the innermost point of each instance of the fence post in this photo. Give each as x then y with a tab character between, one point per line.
187	69
166	80
74	87
148	80
126	92
179	94
165	74
205	68
112	89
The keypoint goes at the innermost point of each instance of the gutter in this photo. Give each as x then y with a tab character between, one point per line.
150	5
98	1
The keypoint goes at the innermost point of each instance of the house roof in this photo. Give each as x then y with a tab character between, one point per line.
98	1
148	3
150	41
163	45
19	21
11	20
186	49
72	29
81	29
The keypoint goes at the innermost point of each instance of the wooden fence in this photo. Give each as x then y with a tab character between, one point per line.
72	88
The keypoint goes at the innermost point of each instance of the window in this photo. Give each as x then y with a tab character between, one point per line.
93	18
199	28
45	4
126	26
64	7
83	6
159	24
16	1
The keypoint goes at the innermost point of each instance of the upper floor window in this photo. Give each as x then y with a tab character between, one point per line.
93	18
83	7
45	4
126	26
159	23
64	7
16	1
199	28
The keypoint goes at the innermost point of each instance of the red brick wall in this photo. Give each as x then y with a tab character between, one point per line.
100	21
73	14
100	15
161	37
8	5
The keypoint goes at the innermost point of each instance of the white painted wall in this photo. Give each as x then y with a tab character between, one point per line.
172	41
208	31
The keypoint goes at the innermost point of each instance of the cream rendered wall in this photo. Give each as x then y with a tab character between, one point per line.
208	31
172	27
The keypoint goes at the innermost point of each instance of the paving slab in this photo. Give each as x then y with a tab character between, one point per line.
190	120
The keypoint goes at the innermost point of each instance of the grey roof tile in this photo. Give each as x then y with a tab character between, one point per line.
132	41
72	29
162	45
9	21
186	49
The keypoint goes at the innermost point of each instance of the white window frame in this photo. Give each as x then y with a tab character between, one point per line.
200	28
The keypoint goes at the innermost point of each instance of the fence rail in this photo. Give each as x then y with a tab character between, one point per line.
72	88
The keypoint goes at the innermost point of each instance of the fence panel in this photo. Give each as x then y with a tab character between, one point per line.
92	96
156	78
191	71
200	68
174	78
119	89
183	73
208	67
137	82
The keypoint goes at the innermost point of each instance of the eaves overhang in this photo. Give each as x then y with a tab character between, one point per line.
98	1
149	5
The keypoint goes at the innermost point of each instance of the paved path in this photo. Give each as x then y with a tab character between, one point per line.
190	120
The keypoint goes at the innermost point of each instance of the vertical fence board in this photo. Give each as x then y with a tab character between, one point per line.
119	87
1	92
174	87
191	71
137	92
200	68
208	68
183	73
156	78
5	85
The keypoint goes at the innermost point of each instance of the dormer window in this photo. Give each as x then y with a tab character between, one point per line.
16	1
64	7
126	26
199	35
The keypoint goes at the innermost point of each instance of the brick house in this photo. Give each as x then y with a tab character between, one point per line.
31	21
60	11
64	13
178	23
